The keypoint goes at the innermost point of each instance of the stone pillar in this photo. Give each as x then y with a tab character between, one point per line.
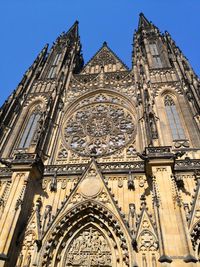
175	245
25	169
12	210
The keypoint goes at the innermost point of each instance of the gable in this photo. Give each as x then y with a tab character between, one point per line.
105	58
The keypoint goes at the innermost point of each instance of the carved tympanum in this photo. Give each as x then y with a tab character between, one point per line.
89	248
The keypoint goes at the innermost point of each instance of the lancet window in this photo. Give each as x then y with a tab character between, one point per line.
174	119
52	71
29	130
157	63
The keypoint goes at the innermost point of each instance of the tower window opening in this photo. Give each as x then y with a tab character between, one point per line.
157	63
174	119
52	71
29	130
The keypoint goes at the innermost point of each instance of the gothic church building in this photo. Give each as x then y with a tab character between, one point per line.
99	163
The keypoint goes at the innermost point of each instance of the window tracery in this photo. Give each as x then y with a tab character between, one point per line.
157	63
52	71
173	118
30	128
99	128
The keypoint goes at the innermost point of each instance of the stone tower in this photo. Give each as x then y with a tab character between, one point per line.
100	164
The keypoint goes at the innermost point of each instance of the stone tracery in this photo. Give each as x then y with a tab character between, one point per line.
99	127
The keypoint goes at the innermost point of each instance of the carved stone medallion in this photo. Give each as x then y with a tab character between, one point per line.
98	129
90	187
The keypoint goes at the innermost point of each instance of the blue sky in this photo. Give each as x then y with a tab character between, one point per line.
27	25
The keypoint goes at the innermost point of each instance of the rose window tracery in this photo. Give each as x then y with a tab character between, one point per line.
98	129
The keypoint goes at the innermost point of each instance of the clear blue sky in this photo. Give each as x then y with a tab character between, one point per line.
26	25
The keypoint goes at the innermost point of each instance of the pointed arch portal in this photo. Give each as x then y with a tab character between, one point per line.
87	235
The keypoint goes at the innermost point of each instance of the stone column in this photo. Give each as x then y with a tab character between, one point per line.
175	246
18	204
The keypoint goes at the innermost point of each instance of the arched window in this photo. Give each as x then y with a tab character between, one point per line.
157	62
174	119
29	130
52	71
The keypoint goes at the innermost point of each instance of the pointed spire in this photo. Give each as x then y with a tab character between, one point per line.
74	28
71	33
43	52
143	22
105	43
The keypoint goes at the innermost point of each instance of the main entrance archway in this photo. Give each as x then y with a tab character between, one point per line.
87	235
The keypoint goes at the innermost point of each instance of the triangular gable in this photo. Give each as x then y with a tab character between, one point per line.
104	58
91	187
91	204
146	235
143	22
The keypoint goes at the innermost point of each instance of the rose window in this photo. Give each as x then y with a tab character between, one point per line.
98	129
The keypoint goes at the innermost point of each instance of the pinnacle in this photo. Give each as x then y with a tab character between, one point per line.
143	21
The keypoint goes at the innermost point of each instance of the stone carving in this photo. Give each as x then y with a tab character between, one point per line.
181	143
147	241
44	184
63	153
131	185
5	194
99	129
120	182
137	166
64	183
142	181
131	150
89	248
103	197
76	198
104	58
90	187
53	183
158	150
5	172
187	163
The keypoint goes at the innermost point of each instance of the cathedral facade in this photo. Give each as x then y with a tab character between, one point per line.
99	163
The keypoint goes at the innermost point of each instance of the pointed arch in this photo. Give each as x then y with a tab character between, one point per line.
30	127
88	214
147	241
173	118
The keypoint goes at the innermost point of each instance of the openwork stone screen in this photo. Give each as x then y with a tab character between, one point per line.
100	127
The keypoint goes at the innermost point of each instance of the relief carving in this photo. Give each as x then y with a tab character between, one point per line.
147	241
89	248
